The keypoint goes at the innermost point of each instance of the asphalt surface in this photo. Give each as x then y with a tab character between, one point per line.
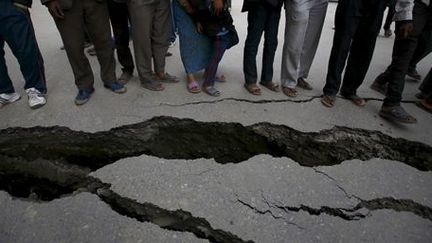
263	199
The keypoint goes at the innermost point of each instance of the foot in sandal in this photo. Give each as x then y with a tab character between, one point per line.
397	114
211	90
253	89
193	87
290	92
152	85
425	104
270	85
358	101
328	100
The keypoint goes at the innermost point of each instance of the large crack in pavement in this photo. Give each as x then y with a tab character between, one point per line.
45	163
44	180
174	138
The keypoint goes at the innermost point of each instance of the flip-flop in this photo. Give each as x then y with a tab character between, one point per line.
211	90
167	78
422	105
193	87
358	101
153	85
290	92
253	89
328	100
271	86
220	78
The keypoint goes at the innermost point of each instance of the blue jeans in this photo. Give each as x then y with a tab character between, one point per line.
16	29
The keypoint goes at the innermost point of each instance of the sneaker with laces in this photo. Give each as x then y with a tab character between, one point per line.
35	98
116	87
8	98
83	96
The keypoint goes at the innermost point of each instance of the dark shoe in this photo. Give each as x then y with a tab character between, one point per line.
413	74
425	105
115	87
302	83
397	113
153	85
387	33
125	77
380	88
83	96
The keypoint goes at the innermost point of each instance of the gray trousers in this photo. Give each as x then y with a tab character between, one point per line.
304	23
92	16
151	25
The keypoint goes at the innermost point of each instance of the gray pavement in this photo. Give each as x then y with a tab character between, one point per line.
263	199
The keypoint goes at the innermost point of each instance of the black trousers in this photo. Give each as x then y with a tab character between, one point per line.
403	51
424	46
357	24
262	19
119	16
390	14
426	86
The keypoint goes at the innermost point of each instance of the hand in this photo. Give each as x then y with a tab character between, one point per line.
403	29
55	9
199	28
218	6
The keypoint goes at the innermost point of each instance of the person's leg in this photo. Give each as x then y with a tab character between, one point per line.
141	23
426	86
389	18
21	39
220	43
97	23
256	23
402	53
345	26
6	85
270	44
71	30
317	16
362	48
297	18
161	26
173	36
119	15
424	47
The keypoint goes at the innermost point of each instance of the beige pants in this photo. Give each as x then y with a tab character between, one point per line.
151	25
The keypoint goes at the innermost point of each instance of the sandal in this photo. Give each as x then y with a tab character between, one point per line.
397	113
152	85
211	90
424	105
328	100
253	89
271	86
166	78
302	83
358	101
290	92
193	87
220	78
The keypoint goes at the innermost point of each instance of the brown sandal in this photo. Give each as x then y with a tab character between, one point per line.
271	86
253	89
358	101
290	92
328	100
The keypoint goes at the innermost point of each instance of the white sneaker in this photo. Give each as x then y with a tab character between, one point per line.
35	98
8	98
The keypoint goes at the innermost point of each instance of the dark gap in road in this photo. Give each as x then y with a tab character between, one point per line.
174	138
44	180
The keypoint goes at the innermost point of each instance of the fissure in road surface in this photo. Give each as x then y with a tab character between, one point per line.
174	138
47	163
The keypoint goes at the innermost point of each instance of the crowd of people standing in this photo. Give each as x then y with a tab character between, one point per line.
206	31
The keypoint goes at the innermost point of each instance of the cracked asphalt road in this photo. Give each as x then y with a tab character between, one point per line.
375	188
